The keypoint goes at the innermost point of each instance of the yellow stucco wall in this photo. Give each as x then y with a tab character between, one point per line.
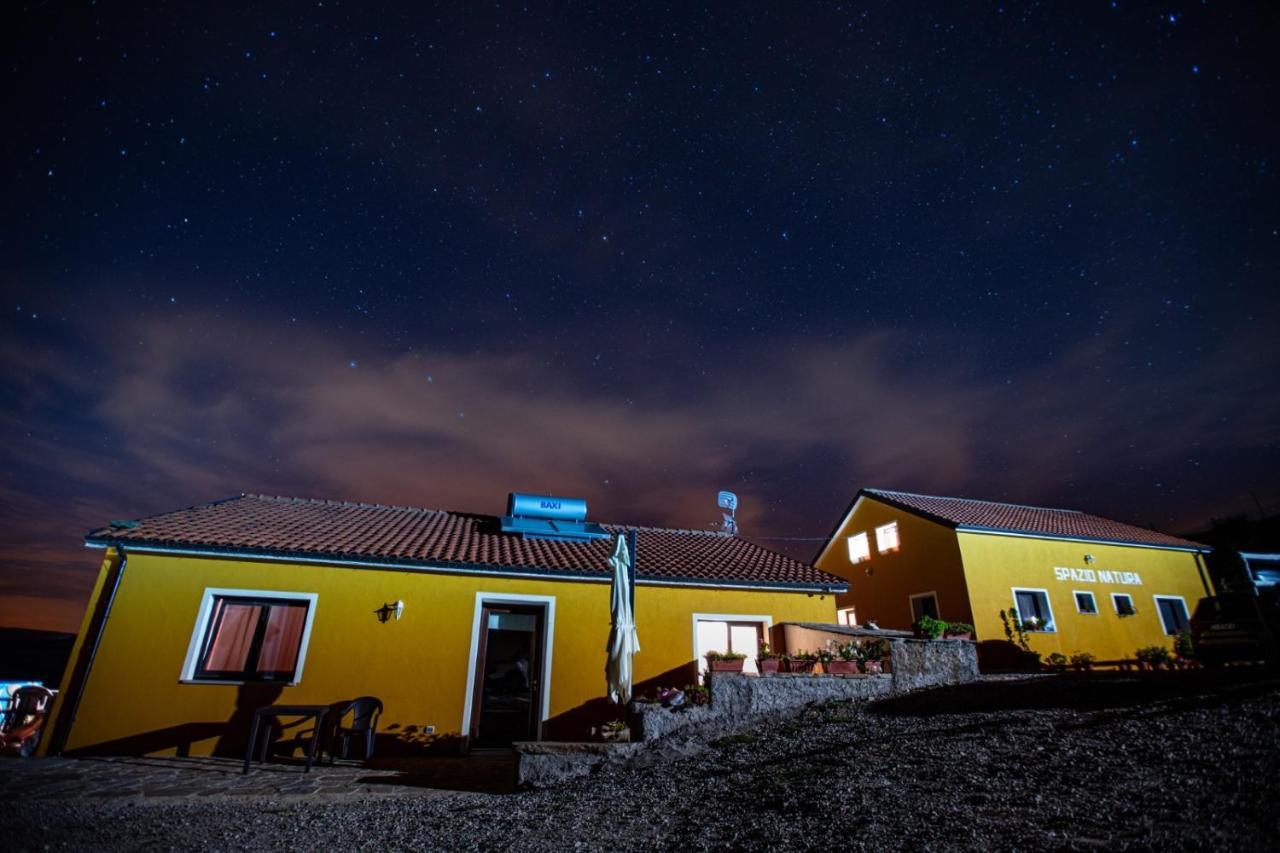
417	665
928	560
994	565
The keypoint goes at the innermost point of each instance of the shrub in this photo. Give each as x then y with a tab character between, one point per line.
1082	660
1182	645
1154	655
954	628
1057	659
1014	629
696	694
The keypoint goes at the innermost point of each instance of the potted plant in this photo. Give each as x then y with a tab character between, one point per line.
696	694
843	660
801	662
873	656
768	660
928	628
1058	661
1082	661
958	631
615	731
725	661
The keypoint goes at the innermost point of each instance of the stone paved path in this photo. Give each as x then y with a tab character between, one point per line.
120	777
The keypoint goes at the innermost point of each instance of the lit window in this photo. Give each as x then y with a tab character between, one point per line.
887	537
845	616
1085	603
1033	609
859	548
247	637
1123	603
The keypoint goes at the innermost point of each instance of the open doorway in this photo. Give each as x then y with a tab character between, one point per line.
509	669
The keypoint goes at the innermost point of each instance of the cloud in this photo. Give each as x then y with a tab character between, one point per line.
177	413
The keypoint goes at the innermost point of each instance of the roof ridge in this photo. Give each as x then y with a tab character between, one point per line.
976	501
330	502
453	512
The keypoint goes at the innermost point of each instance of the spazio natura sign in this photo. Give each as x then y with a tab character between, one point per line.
1097	576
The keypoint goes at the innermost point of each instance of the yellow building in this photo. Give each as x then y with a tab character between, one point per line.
470	629
1082	582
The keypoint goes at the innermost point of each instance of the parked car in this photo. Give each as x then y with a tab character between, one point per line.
1231	626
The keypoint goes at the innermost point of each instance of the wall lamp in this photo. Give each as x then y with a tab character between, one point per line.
387	611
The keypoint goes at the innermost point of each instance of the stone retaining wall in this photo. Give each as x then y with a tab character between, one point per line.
738	700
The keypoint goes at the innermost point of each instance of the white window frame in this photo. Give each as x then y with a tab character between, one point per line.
1132	604
911	599
847	616
765	620
548	643
897	538
866	541
1156	599
205	612
1048	603
1092	597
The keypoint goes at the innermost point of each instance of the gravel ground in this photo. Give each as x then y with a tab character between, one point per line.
1175	761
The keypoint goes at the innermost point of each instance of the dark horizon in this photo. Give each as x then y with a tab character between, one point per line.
636	255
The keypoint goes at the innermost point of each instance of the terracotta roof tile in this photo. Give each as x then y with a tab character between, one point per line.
277	526
1029	520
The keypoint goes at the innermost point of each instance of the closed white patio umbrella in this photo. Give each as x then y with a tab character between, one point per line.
623	641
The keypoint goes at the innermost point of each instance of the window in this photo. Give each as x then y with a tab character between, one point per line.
1033	609
924	604
243	635
887	537
846	616
739	634
1085	603
1173	613
1123	603
859	548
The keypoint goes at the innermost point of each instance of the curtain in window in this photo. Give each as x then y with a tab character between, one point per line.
234	626
282	638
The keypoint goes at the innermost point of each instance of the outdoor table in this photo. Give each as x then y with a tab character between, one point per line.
261	716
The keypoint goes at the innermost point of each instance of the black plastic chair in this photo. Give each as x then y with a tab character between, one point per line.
364	713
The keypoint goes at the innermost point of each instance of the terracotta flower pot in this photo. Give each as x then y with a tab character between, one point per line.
726	665
874	667
769	665
800	666
965	636
841	667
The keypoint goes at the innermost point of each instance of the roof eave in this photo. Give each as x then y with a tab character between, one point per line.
145	546
1024	534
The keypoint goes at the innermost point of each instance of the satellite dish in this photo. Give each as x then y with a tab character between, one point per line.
728	501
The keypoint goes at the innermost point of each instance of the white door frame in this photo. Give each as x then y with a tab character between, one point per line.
765	620
548	603
911	603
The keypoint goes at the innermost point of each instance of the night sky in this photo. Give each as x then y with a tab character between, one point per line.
635	254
